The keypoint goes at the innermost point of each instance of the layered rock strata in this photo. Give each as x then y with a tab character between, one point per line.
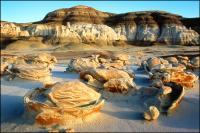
88	25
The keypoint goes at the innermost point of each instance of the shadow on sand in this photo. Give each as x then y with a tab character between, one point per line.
21	83
12	107
64	75
186	115
128	115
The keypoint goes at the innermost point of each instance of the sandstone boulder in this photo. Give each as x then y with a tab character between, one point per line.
172	60
103	75
113	80
195	61
152	114
170	73
152	62
80	64
4	66
63	102
166	98
42	59
166	90
99	60
120	85
31	72
186	79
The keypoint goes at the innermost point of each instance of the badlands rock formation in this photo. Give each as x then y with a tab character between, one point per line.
113	80
166	98
172	70
98	60
88	25
32	67
62	102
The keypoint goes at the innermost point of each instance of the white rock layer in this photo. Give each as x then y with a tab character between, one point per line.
172	34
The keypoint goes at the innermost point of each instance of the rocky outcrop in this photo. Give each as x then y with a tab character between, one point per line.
12	30
88	25
32	67
76	14
99	60
64	102
178	35
172	70
192	23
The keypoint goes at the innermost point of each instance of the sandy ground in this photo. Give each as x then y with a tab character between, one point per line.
121	113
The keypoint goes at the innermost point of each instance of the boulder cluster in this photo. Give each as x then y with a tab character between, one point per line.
70	100
60	102
105	71
33	67
172	69
170	77
99	60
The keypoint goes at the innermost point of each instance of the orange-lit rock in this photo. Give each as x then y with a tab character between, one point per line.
104	75
106	60
152	114
30	71
186	79
174	73
41	59
113	80
120	85
4	66
62	102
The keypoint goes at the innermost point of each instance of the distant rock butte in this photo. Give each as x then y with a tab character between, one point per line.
88	25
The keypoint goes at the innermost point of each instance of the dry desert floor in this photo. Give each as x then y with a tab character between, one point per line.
121	113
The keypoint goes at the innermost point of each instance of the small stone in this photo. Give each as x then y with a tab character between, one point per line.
195	61
157	83
172	60
152	62
152	114
166	90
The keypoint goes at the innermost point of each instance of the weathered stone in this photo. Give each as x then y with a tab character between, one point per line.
152	62
98	60
166	90
42	59
4	66
103	75
172	60
30	71
171	99
88	25
81	64
152	114
62	102
186	79
120	85
168	73
195	61
157	83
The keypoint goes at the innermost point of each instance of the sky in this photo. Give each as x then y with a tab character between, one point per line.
30	11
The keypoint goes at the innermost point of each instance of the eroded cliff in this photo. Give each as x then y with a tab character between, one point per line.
88	25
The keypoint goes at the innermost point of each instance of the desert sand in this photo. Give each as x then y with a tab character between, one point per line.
121	113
